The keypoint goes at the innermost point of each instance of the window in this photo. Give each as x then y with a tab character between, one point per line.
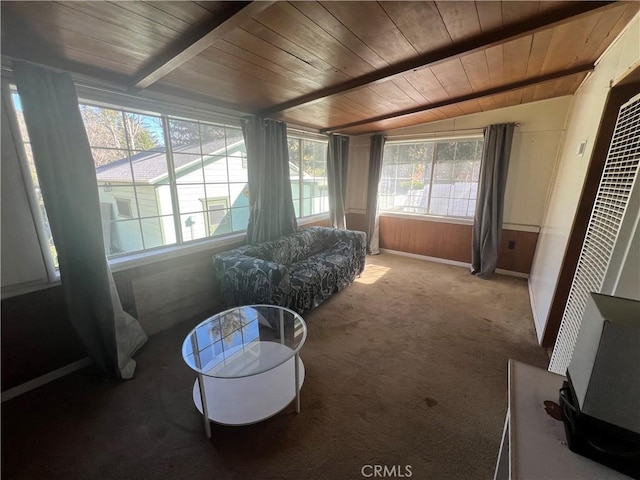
52	253
216	209
162	180
431	177
160	172
308	169
124	207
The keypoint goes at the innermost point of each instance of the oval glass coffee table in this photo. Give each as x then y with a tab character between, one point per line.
248	364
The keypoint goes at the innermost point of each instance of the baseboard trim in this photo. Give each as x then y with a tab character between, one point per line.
44	379
536	323
427	258
449	262
511	273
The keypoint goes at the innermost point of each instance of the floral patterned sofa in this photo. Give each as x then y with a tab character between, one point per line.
299	270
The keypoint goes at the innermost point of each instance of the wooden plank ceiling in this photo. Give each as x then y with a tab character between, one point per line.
347	66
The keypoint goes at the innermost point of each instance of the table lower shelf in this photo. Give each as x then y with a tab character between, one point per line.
247	400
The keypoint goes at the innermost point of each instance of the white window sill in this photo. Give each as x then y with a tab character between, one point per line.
312	219
459	221
133	260
429	218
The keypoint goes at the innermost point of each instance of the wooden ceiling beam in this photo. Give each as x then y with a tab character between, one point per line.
549	19
167	62
472	96
225	107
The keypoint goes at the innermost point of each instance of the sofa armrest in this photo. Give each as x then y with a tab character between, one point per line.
245	280
356	242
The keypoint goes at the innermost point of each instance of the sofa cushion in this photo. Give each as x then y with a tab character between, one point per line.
297	246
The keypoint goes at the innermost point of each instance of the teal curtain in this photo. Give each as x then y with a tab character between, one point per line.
337	157
373	218
271	211
67	177
487	223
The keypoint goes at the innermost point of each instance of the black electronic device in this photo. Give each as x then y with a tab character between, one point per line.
603	442
601	398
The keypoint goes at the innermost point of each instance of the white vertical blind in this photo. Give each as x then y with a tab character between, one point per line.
620	173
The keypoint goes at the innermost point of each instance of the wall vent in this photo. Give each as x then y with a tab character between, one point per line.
619	174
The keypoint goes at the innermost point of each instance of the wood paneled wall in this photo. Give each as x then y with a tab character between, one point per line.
356	221
448	241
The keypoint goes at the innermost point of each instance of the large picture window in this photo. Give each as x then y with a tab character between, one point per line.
161	180
308	170
435	177
172	171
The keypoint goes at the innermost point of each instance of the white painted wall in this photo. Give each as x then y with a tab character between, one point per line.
533	155
584	119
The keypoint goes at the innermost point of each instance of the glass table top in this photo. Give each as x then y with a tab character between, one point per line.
244	341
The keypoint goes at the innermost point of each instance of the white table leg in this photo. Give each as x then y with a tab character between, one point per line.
297	384
205	410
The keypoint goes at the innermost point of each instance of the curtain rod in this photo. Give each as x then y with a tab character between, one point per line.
439	132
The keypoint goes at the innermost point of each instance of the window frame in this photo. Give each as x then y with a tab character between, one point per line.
167	106
301	137
121	202
464	220
209	202
146	255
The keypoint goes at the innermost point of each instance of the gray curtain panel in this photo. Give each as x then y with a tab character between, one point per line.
67	178
271	211
337	157
487	223
375	167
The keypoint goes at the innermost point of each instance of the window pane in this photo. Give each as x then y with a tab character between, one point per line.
124	236
144	132
458	207
185	136
239	203
465	150
439	206
407	181
235	142
189	197
237	168
114	158
158	231
239	219
194	226
294	151
216	169
213	138
309	186
445	151
46	228
104	126
188	168
117	201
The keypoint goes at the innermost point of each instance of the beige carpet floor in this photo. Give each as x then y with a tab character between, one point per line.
407	367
